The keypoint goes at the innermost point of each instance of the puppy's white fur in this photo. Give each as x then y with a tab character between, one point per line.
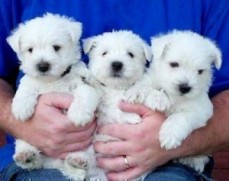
105	50
117	59
49	52
182	73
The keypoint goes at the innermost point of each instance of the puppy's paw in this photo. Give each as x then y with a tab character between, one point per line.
77	162
96	178
172	134
158	100
79	117
22	112
28	159
75	166
197	163
96	174
135	96
90	80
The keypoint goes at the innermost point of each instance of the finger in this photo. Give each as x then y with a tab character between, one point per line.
113	148
134	108
85	127
68	127
77	146
120	131
61	152
115	164
71	127
60	100
128	174
74	137
62	156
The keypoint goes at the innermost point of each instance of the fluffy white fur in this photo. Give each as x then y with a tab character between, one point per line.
49	52
117	60
105	51
180	77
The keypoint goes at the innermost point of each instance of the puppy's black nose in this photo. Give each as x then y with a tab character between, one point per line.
43	66
117	66
184	88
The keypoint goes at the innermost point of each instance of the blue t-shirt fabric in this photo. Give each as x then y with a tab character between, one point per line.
147	18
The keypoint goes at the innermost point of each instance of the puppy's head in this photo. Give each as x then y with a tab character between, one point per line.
46	46
183	62
117	58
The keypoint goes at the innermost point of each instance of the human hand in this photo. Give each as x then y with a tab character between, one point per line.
50	130
138	142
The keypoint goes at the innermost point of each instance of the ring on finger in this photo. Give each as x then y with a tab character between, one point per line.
126	162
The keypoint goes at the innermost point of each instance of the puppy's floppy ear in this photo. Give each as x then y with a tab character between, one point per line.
14	40
215	54
89	44
75	30
160	45
147	52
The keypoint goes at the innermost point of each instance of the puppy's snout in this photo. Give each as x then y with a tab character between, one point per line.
43	66
184	88
117	66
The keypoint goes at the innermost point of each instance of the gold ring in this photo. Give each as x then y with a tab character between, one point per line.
126	162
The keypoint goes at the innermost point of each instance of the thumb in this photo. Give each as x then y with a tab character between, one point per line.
59	100
134	108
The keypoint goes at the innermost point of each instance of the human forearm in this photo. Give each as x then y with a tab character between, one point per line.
6	118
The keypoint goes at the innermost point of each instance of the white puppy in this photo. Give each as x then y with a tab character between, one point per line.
182	72
117	59
49	52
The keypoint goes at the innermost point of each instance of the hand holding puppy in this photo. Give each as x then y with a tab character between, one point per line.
52	132
143	156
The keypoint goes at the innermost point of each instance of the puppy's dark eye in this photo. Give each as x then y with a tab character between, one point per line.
30	50
56	47
104	53
130	54
174	64
200	71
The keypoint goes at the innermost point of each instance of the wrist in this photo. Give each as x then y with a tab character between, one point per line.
8	122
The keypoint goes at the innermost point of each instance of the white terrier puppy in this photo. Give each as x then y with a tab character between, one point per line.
182	72
49	52
117	60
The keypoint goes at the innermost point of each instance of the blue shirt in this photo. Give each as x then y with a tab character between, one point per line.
146	18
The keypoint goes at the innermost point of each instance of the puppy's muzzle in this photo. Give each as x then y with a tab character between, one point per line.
43	67
184	88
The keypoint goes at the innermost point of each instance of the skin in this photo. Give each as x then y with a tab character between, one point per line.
147	153
54	135
57	138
